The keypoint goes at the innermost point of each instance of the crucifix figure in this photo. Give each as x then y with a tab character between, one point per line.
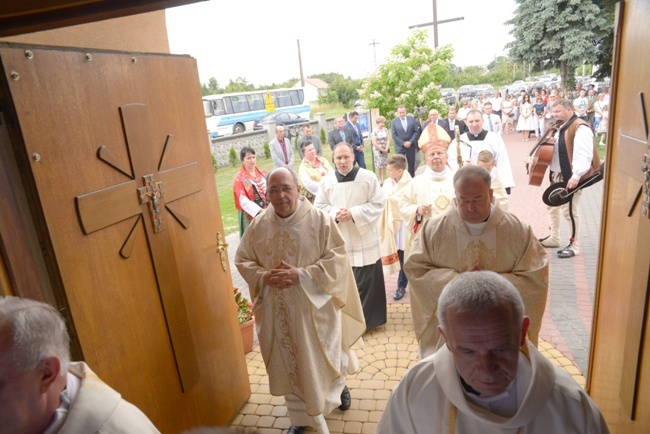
146	195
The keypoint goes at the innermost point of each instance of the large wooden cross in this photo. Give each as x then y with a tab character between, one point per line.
149	191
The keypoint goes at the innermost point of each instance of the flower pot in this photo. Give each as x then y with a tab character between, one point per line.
247	334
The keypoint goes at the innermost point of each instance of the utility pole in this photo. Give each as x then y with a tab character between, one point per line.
435	23
302	77
374	49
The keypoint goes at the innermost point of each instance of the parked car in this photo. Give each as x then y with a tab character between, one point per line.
480	89
517	86
466	92
360	104
448	94
279	119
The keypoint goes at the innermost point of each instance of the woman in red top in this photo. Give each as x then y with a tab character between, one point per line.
249	189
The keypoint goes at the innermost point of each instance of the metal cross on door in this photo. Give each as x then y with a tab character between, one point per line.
146	195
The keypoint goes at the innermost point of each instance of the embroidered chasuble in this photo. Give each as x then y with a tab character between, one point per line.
445	247
391	221
431	399
428	188
305	332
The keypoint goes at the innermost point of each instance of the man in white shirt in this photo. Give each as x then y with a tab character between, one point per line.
491	122
487	378
462	112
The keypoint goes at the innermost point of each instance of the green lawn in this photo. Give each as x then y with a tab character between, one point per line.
225	176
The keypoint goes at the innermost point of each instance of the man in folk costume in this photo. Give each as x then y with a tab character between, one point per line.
488	378
354	198
307	309
392	227
474	235
476	140
431	192
574	155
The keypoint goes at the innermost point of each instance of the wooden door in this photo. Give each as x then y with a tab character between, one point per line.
116	163
619	368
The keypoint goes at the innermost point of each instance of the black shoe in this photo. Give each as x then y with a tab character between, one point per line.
565	253
296	429
346	399
399	294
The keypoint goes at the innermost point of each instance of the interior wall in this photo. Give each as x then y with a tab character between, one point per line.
143	32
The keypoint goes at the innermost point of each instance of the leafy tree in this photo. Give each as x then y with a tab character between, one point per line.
211	87
239	85
328	96
411	76
605	46
558	33
346	89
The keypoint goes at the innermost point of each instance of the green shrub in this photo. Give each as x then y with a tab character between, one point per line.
232	157
323	136
267	150
215	165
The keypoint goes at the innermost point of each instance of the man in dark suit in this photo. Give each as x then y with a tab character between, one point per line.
339	134
357	136
434	116
405	131
451	122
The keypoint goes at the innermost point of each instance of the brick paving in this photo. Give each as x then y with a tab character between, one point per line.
391	349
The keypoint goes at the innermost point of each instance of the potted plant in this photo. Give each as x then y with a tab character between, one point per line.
246	320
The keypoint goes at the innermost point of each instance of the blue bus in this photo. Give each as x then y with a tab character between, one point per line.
235	113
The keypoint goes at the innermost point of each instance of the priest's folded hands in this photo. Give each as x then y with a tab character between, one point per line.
282	276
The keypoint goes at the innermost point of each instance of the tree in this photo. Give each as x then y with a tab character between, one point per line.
239	85
558	33
605	46
411	76
211	87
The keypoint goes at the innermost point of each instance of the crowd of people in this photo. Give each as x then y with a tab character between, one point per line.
315	262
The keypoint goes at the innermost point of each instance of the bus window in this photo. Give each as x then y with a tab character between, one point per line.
283	99
228	104
207	108
219	109
256	101
239	103
297	97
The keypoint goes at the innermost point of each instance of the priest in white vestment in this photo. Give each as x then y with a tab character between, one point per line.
431	192
307	310
476	140
41	391
392	228
475	234
354	198
488	378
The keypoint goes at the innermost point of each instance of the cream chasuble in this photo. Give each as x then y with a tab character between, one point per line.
391	221
428	188
305	332
445	248
431	399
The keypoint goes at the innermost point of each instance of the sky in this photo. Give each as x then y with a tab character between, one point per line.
257	39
